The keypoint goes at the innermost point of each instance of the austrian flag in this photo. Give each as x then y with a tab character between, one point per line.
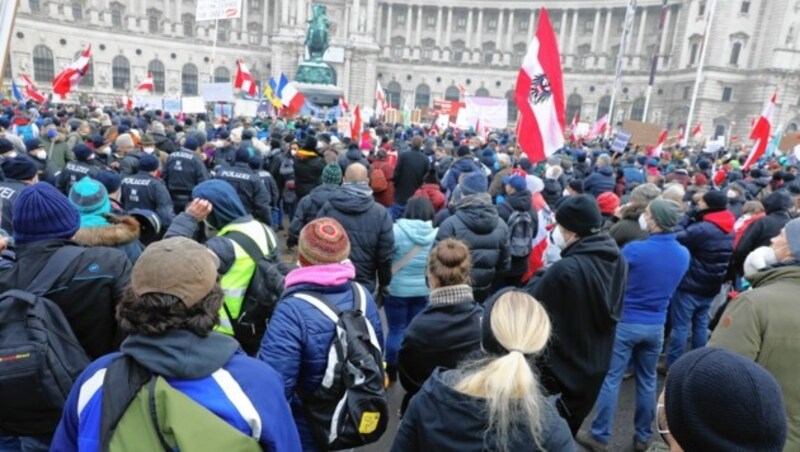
540	95
72	74
147	84
761	132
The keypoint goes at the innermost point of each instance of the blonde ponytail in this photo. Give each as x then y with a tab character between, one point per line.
508	383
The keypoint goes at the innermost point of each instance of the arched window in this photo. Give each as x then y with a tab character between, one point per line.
735	52
222	75
452	93
512	106
88	78
393	93
574	104
603	106
482	92
792	127
43	66
120	72
188	25
189	79
156	67
637	109
422	96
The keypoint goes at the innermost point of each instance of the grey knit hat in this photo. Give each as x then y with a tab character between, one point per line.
792	229
666	213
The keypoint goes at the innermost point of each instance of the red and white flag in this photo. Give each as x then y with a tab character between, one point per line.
698	129
462	90
540	95
761	133
655	151
72	74
573	128
599	128
356	127
127	102
147	84
343	104
380	101
31	92
244	80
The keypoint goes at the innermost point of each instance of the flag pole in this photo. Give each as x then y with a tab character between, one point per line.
699	76
214	49
654	62
623	47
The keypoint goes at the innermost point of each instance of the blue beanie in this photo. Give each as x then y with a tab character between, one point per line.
42	212
190	143
82	152
91	199
222	196
148	163
473	183
109	179
19	168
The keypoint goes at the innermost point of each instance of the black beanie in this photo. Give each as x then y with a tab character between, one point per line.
716	400
489	343
715	200
580	214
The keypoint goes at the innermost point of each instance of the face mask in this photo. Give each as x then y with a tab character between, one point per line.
106	150
732	194
41	154
558	238
52	133
759	259
11	155
643	223
149	150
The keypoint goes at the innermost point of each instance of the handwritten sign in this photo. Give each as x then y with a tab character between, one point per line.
217	92
218	9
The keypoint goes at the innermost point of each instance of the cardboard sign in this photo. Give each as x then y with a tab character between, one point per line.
218	9
193	105
789	141
642	133
217	92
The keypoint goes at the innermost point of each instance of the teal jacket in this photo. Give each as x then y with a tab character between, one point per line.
410	280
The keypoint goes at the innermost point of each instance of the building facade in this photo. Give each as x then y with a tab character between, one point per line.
420	51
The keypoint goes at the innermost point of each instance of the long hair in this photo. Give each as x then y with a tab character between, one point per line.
507	382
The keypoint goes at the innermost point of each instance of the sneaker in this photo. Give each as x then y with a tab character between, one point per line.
587	440
639	446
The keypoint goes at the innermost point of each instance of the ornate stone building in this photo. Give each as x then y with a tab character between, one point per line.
420	51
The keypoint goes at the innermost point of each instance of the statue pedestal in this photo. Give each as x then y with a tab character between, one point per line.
315	73
324	95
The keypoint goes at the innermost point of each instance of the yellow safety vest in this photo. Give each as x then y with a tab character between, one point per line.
234	283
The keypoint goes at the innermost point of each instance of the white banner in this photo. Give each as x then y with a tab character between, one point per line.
247	108
443	121
217	92
172	105
148	102
491	112
218	9
193	105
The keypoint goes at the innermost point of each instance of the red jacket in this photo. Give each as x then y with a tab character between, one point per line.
386	197
434	193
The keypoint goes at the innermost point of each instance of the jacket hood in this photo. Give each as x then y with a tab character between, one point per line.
631	211
420	232
606	171
599	245
465	165
321	275
477	213
520	200
122	230
227	204
789	270
723	219
180	353
353	198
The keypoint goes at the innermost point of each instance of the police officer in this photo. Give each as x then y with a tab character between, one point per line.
144	191
183	171
76	169
102	153
248	186
257	165
226	151
44	167
20	172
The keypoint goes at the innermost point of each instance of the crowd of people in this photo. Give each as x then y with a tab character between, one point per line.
204	283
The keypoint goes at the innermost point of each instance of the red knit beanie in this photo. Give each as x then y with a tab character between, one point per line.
608	203
323	241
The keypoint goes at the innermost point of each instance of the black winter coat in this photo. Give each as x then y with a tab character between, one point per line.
442	419
88	290
369	228
143	191
411	168
307	174
709	238
521	202
72	173
164	143
251	190
477	223
9	192
307	210
583	295
599	182
761	232
581	170
353	156
552	192
627	229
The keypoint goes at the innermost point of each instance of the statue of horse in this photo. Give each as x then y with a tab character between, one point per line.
317	35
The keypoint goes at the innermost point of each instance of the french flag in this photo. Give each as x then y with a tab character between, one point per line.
147	84
290	97
32	92
540	95
244	80
761	132
72	74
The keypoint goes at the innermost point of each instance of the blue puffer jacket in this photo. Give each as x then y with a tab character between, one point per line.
298	337
599	182
709	239
633	175
409	281
461	166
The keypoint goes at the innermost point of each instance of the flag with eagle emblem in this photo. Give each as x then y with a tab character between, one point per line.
540	95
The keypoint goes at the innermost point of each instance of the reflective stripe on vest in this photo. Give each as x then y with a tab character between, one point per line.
234	283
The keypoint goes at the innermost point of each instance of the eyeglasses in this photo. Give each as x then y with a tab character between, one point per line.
661	414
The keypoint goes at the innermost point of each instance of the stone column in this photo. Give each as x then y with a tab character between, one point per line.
562	30
301	13
264	20
439	27
662	48
498	45
355	13
370	17
449	28
479	32
602	61
470	30
573	33
418	39
387	39
642	31
510	32
178	10
284	12
595	30
531	25
408	27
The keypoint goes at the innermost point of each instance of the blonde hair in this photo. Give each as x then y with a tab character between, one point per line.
752	207
508	383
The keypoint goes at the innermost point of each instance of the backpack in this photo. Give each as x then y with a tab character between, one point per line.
25	132
521	230
377	180
40	358
287	168
263	291
349	408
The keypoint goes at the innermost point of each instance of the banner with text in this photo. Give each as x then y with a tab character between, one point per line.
218	9
492	112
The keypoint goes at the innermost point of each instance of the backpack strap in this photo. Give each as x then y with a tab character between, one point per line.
406	258
126	376
249	245
151	403
330	310
53	269
360	301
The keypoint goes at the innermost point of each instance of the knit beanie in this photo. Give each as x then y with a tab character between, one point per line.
716	400
82	152
148	163
42	212
666	213
474	183
580	214
792	230
125	140
242	155
110	180
323	241
19	168
332	174
715	200
700	180
608	203
91	199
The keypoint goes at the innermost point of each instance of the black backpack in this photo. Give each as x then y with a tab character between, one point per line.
349	408
521	231
263	291
40	358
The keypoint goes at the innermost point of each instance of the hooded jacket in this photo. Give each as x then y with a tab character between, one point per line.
308	166
442	419
163	143
709	238
761	232
461	166
252	192
519	201
627	229
386	197
434	194
583	294
599	182
409	281
477	223
307	210
212	371
120	232
369	227
763	324
299	336
353	156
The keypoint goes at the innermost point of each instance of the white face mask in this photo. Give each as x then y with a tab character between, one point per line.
106	150
558	238
149	150
11	154
643	223
758	259
732	194
41	154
